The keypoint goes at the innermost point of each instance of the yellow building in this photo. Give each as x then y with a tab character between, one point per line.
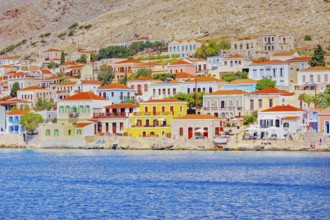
154	117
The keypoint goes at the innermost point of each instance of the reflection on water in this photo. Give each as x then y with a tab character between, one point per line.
77	184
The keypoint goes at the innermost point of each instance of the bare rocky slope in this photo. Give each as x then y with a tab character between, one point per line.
119	20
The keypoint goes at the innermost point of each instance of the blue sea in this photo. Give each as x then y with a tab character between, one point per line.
86	184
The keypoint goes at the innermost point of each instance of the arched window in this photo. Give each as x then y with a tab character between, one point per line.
47	132
56	133
78	131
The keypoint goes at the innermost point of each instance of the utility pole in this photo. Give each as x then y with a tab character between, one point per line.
196	96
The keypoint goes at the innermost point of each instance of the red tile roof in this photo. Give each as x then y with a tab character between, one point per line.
82	124
84	96
317	68
270	62
283	108
114	86
91	82
229	92
297	59
236	56
283	54
52	50
149	64
31	88
206	79
18	112
129	61
197	117
180	62
143	79
271	91
53	78
184	75
46	71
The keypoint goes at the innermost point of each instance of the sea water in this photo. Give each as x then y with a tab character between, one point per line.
79	184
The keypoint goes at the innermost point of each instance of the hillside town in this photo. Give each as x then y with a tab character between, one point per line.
245	91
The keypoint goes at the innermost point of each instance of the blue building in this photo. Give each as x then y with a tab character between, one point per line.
116	92
247	85
12	120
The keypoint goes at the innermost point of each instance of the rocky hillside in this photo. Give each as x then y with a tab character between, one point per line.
119	20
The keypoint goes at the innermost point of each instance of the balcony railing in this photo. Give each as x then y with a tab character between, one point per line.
152	113
111	115
74	115
149	126
222	109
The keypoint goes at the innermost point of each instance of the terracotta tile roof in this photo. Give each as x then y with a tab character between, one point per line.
7	58
123	105
243	81
52	50
53	78
283	54
163	100
197	117
317	68
46	71
82	124
229	92
91	82
84	96
114	86
206	79
149	64
128	61
271	91
7	66
78	66
290	118
297	59
56	59
142	79
236	56
184	75
180	62
283	108
31	88
270	62
18	112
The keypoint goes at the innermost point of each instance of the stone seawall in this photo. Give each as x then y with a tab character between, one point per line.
12	140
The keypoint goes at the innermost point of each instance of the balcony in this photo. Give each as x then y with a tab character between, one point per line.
152	113
111	115
222	109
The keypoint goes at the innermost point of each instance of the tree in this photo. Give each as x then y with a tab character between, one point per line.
105	76
143	72
318	57
265	83
307	38
249	119
131	101
164	76
233	76
13	91
190	98
43	104
30	121
52	65
82	59
123	80
208	49
323	99
62	57
306	98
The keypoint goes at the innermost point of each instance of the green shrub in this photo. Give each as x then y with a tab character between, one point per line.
71	33
307	38
73	26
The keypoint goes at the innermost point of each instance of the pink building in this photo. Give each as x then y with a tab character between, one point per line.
182	66
324	121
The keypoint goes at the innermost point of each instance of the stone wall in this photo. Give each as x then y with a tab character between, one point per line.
11	140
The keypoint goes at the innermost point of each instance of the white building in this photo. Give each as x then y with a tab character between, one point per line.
183	48
315	76
284	56
281	120
275	70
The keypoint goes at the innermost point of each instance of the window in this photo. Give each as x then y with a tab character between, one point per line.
318	78
186	47
270	103
87	109
145	87
274	72
182	48
326	78
81	109
171	109
260	103
113	94
174	91
47	132
146	109
285	125
61	109
163	108
304	78
181	109
56	133
281	72
181	131
10	119
67	109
